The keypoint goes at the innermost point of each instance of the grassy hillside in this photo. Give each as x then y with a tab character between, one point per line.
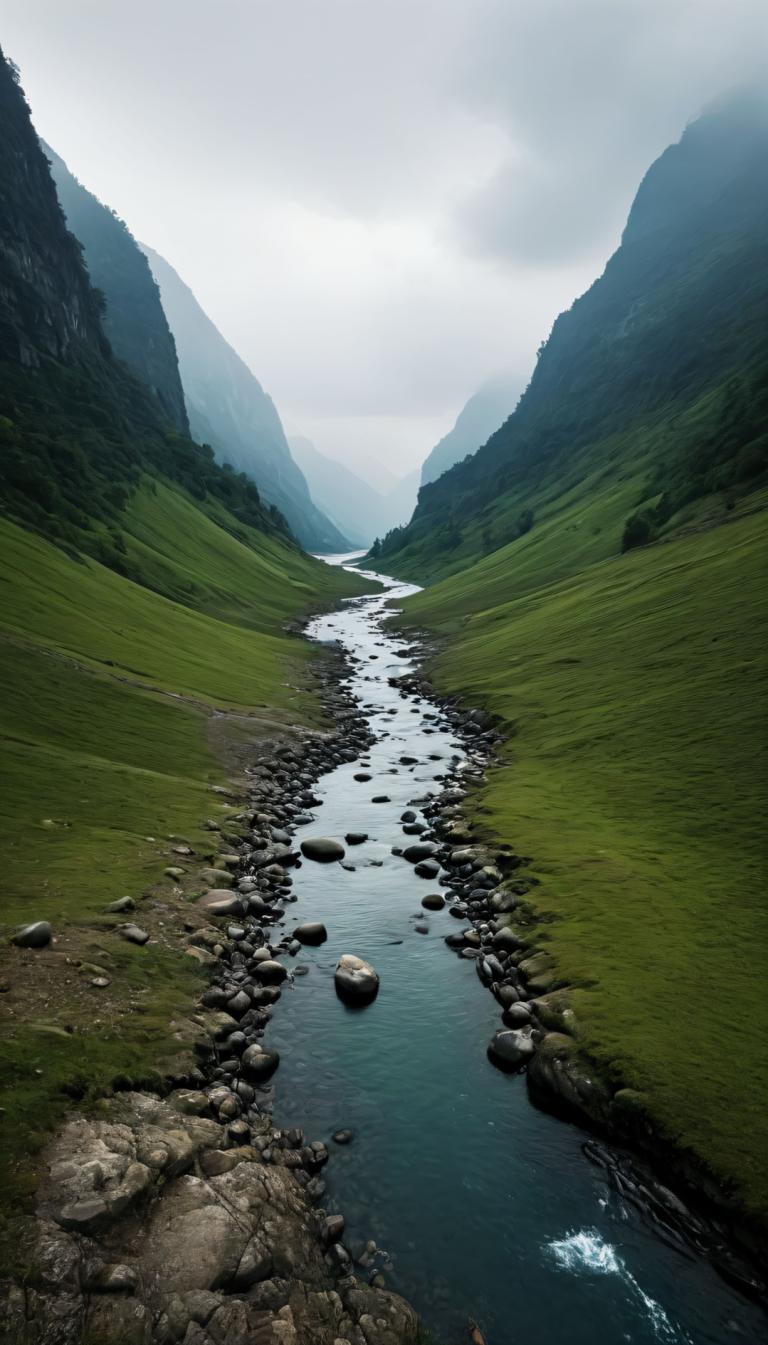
635	776
107	690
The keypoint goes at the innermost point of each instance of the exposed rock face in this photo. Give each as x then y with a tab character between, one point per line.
134	321
47	307
154	1228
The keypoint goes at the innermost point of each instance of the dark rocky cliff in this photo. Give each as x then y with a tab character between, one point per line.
47	306
133	318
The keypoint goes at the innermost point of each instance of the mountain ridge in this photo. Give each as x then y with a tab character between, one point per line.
229	409
481	414
134	320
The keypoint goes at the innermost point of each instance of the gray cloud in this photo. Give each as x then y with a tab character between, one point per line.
379	204
587	94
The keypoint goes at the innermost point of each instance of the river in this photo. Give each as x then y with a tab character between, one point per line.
485	1206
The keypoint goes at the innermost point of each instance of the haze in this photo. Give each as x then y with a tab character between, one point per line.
380	205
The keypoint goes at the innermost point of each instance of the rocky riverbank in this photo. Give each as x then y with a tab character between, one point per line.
181	1214
487	888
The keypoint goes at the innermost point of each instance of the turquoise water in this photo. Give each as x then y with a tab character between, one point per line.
486	1207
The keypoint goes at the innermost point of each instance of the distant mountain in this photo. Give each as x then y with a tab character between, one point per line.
229	409
133	319
483	413
348	501
400	501
361	512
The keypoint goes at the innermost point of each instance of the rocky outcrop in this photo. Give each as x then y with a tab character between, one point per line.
159	1224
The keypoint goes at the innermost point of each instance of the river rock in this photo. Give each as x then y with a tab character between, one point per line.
333	1228
312	933
343	1136
427	868
258	1063
270	972
322	849
504	902
355	979
422	850
434	901
511	1048
506	940
217	877
37	935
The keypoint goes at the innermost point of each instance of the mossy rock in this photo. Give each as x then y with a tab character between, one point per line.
558	1046
217	877
555	1012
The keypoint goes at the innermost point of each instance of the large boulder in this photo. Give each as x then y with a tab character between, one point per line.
511	1048
322	849
357	982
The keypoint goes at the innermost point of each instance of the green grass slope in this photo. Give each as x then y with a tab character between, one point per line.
107	697
635	776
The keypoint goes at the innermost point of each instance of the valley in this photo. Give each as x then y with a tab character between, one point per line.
383	927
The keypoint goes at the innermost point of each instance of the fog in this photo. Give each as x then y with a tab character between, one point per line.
379	204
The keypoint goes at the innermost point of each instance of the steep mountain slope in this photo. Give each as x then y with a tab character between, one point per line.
46	303
483	413
651	391
145	593
229	410
618	635
133	318
355	507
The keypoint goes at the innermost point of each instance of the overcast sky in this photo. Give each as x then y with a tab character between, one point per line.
380	203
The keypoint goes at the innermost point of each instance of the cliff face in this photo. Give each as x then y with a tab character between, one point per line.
133	318
229	409
47	306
